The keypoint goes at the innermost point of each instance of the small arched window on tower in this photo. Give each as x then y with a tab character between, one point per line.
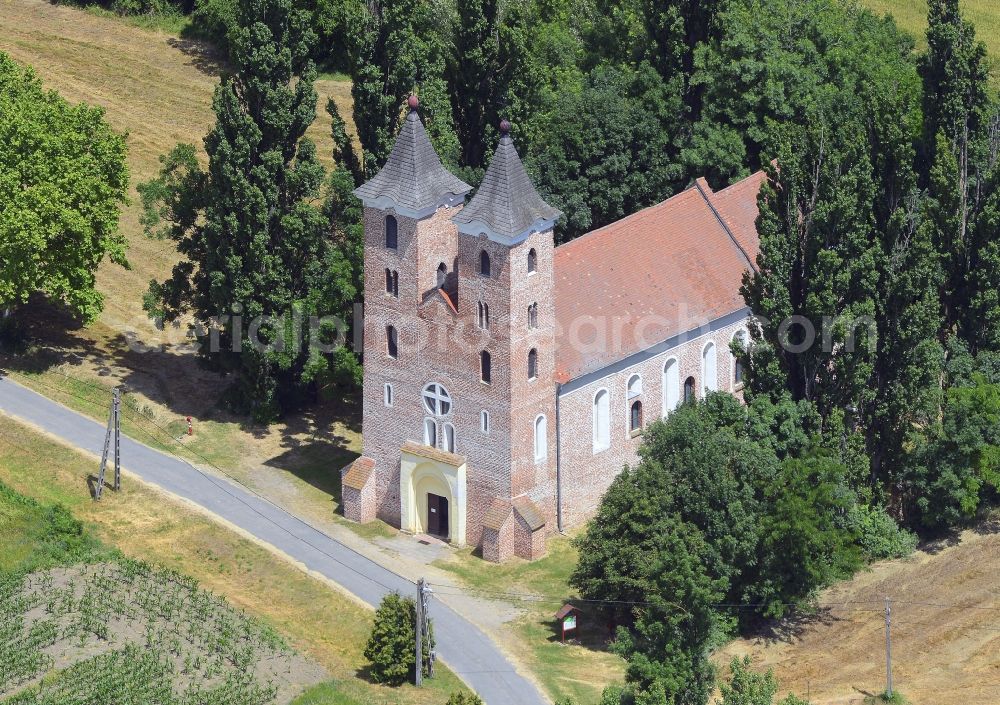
442	275
484	315
485	373
541	439
484	421
689	390
532	261
392	282
533	316
430	433
449	438
532	364
391	232
387	394
484	263
391	341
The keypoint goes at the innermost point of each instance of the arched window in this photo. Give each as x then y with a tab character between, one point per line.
442	274
391	232
541	439
689	389
602	420
392	282
635	417
437	401
449	438
391	341
484	421
671	386
484	315
634	386
430	433
387	395
533	315
740	340
532	260
532	363
484	263
709	371
485	373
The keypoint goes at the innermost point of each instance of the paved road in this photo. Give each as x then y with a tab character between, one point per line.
466	649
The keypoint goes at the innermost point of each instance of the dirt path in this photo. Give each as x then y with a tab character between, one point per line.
944	651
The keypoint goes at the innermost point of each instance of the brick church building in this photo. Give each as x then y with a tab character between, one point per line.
506	380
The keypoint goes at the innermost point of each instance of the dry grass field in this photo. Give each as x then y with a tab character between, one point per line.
945	630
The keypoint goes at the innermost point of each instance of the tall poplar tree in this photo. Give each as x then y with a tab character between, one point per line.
254	242
398	48
961	138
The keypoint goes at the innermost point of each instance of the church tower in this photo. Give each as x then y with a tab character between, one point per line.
459	392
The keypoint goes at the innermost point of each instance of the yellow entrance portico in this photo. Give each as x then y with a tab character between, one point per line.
432	492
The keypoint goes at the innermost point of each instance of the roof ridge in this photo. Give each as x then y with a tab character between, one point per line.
722	221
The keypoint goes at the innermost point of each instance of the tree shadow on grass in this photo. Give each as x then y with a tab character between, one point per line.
202	54
791	627
50	337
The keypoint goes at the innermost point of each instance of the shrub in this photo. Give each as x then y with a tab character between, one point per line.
464	699
879	536
390	648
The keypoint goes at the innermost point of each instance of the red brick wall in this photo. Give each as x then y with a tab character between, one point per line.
438	345
586	475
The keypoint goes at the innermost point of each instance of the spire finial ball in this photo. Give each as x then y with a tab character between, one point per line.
413	102
504	127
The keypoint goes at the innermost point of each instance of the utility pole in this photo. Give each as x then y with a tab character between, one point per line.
418	623
431	656
888	648
115	427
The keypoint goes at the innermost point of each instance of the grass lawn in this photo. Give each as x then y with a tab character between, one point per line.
315	617
579	669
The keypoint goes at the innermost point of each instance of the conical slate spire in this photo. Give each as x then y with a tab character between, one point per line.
413	177
506	203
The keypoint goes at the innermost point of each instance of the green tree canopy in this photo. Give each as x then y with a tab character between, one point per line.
254	242
390	647
63	180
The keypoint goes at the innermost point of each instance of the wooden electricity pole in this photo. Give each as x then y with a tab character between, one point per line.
888	648
418	623
114	427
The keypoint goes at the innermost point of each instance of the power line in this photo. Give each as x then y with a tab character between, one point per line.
263	498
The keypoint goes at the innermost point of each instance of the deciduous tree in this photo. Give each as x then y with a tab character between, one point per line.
63	180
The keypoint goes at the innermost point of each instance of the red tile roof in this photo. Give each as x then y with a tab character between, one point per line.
665	270
737	205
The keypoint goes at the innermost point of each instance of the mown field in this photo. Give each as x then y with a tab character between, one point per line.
304	634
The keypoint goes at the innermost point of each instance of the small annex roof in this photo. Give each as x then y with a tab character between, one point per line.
359	472
530	512
506	207
497	514
413	180
668	269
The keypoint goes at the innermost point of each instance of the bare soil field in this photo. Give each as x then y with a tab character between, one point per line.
945	630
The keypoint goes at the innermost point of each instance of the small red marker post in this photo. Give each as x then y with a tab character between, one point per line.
190	427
